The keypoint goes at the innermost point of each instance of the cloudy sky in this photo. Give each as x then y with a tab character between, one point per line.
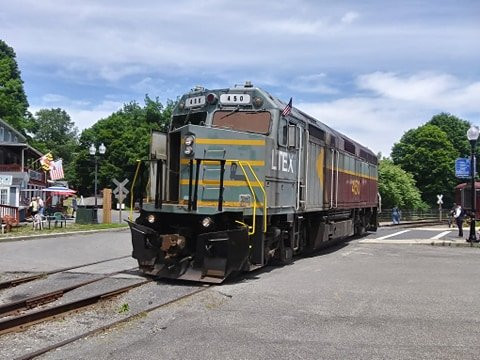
371	69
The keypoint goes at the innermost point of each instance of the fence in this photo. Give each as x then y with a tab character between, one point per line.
9	210
414	215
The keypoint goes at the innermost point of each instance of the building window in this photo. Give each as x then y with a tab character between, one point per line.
1	133
4	196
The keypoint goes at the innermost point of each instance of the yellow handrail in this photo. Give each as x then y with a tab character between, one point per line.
254	199
130	217
241	163
264	198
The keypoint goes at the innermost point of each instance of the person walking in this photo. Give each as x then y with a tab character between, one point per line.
459	215
395	215
451	215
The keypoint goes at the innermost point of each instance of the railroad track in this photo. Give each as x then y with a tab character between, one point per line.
68	308
42	299
14	282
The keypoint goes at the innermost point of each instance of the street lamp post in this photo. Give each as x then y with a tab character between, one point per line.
93	151
472	135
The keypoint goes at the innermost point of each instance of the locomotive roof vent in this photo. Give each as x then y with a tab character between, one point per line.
248	84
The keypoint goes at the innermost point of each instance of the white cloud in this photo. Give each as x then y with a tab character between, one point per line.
394	104
86	117
426	89
82	113
314	83
349	17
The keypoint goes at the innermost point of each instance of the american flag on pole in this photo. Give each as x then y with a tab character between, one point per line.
288	109
56	171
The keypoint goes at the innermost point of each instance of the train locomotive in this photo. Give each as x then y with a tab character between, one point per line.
242	179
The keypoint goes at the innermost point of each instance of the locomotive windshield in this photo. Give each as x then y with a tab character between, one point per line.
197	118
257	122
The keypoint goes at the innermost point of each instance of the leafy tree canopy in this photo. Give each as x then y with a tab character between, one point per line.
54	131
126	135
397	187
456	131
13	101
428	154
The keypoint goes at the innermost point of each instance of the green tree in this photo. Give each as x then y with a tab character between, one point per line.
54	131
428	154
126	135
397	187
13	101
456	131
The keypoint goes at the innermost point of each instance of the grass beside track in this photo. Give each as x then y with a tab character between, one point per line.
27	229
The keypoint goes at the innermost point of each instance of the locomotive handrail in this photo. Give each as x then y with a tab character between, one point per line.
331	178
254	198
336	182
192	204
264	196
130	217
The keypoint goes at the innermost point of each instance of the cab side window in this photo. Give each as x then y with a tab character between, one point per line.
288	135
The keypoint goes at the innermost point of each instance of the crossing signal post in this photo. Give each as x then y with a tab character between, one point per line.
440	202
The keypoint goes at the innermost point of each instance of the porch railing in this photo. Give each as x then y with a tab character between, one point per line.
11	168
9	210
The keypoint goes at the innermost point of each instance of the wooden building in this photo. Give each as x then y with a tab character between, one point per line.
21	176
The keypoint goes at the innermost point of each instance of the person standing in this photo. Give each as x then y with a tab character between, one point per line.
74	205
34	206
459	215
41	206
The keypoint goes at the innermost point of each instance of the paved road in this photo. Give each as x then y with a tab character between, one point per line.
359	301
420	234
46	254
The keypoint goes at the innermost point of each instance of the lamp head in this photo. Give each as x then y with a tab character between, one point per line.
101	149
92	149
472	133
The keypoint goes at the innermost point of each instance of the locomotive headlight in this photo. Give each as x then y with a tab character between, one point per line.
257	101
207	222
151	218
212	98
189	140
188	150
181	106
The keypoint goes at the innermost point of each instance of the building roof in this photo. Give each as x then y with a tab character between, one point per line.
21	137
22	140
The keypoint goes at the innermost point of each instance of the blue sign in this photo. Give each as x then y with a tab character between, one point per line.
462	168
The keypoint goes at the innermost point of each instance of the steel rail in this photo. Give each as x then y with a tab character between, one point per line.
24	321
37	300
14	282
108	326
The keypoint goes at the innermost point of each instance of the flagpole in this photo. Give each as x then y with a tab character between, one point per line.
40	158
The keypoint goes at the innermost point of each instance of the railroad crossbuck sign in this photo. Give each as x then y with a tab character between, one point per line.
439	201
120	192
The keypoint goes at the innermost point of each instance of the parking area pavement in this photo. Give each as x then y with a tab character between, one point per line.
353	301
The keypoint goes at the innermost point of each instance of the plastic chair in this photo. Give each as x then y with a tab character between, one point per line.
60	219
39	222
